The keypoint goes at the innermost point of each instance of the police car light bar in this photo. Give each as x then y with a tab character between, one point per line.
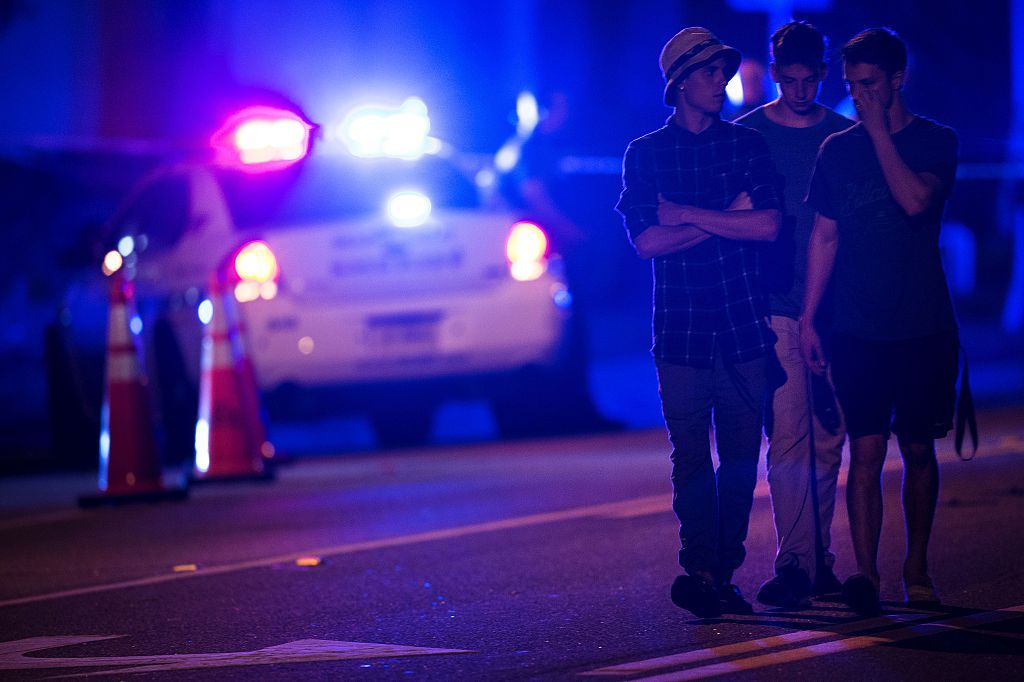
258	139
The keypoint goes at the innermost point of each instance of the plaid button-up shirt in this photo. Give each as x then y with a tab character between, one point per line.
709	298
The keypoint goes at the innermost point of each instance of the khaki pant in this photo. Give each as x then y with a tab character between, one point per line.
796	457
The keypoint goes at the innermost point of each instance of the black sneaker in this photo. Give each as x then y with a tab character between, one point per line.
861	595
696	595
826	583
730	600
789	589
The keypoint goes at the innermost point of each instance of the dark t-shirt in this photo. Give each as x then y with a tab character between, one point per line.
888	276
794	151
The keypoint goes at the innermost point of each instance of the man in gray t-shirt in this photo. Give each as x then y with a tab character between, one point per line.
805	444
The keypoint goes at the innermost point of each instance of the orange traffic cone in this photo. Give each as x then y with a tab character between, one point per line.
129	458
231	439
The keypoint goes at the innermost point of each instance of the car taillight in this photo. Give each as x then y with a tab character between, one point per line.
262	139
256	267
526	249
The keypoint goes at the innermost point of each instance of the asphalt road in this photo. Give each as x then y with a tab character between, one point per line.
545	560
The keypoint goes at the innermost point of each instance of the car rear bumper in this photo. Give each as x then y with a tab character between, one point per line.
501	329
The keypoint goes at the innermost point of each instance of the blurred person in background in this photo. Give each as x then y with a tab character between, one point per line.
879	189
805	443
542	187
699	198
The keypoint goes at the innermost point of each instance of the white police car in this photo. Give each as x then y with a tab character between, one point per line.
374	280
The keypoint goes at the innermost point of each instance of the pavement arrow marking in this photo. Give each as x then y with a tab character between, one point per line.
12	655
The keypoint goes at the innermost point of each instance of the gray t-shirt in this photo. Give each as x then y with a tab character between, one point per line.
794	151
888	276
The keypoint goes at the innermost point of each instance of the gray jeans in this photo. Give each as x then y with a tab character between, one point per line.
797	456
713	507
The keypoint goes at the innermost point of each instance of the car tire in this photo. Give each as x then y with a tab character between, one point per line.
551	400
539	402
402	427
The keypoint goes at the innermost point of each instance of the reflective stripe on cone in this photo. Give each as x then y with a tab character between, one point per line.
230	433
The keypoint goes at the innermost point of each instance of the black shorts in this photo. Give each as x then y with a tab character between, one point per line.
908	386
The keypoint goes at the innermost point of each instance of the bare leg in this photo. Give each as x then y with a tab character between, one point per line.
864	501
920	495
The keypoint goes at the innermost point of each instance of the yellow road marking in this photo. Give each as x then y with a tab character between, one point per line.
837	646
753	645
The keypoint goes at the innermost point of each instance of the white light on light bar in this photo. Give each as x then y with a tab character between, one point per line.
409	209
377	130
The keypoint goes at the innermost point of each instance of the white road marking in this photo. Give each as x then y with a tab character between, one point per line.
841	645
640	506
593	511
12	655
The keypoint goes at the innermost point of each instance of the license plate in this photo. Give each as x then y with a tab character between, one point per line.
417	332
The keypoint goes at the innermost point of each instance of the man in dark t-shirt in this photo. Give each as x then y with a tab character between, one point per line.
805	444
879	189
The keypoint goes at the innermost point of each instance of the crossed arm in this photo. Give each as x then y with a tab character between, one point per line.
682	227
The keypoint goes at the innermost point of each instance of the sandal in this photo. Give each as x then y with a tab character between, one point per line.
921	593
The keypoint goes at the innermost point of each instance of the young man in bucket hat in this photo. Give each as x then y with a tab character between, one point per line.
879	189
805	435
698	196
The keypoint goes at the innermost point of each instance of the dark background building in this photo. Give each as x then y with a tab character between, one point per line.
96	92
